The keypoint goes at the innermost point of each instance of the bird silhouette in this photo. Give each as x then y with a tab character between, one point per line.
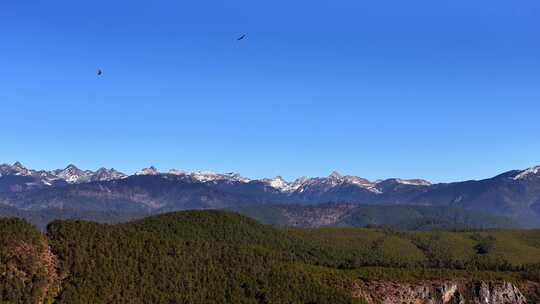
242	37
99	72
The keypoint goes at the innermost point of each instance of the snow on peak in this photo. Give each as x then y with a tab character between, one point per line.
533	171
148	171
282	185
19	169
18	165
72	174
208	176
362	182
16	169
334	179
104	174
237	177
413	182
335	175
357	181
177	172
205	176
277	182
298	184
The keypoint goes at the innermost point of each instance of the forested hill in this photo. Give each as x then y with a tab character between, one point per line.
190	257
223	257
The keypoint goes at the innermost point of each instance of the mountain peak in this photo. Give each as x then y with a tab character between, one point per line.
177	172
532	171
209	176
72	174
335	175
19	169
277	182
104	174
412	182
18	164
148	171
70	169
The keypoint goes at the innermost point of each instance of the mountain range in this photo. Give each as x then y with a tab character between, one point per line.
17	177
514	194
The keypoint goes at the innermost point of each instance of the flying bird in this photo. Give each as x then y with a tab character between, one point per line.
99	72
242	37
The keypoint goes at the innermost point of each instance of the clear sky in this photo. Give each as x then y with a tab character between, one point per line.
444	90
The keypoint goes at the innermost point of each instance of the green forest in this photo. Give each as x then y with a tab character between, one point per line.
224	257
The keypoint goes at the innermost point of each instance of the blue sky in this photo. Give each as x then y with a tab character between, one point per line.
443	90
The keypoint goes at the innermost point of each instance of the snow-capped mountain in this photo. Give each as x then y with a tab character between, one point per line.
324	184
532	172
208	176
302	184
277	183
198	176
514	193
305	184
104	174
148	171
16	169
412	182
70	175
73	175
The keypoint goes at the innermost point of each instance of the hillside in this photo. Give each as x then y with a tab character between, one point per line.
223	257
405	217
192	257
27	267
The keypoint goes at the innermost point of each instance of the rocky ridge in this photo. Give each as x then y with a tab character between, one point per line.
457	291
70	175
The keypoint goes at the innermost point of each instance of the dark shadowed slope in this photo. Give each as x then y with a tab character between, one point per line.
408	217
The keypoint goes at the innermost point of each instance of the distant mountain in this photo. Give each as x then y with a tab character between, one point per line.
40	218
515	194
16	177
393	216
